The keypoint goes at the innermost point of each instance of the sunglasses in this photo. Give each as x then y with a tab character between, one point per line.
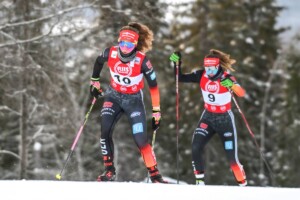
126	44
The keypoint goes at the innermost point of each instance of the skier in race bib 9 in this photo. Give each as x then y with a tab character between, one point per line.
128	65
216	84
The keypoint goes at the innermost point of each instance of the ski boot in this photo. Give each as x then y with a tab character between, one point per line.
200	182
108	175
242	183
155	176
199	178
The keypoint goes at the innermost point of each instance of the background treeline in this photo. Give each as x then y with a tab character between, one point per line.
48	49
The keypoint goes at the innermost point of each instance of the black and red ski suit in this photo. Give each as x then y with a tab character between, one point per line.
217	117
125	96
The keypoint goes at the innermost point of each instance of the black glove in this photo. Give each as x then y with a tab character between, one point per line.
95	88
156	118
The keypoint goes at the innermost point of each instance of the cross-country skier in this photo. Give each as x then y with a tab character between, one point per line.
216	84
128	65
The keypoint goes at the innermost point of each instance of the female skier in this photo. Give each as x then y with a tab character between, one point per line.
216	85
128	65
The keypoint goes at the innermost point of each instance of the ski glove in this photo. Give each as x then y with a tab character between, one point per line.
226	82
156	118
176	57
95	88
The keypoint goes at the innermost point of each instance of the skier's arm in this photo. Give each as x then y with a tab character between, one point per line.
193	77
101	59
230	82
95	87
150	77
238	90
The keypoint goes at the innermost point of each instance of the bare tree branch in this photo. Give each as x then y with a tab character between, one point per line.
62	12
17	93
18	42
127	12
9	109
10	153
3	75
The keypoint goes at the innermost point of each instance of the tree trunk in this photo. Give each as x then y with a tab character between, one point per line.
23	133
24	8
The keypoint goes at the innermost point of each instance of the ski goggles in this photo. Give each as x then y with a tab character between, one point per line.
129	45
211	70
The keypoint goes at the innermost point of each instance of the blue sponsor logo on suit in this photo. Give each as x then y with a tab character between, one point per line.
137	128
228	145
153	76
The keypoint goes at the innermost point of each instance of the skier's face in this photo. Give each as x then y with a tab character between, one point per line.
211	66
211	70
126	47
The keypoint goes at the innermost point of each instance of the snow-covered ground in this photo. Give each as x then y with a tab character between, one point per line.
67	190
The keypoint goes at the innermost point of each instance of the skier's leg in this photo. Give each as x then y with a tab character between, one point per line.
202	134
135	112
110	114
229	140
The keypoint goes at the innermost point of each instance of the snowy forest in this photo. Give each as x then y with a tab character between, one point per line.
48	49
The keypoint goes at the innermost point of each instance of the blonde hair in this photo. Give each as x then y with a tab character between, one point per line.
145	35
225	59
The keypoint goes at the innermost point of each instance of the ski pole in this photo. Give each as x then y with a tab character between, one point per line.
177	120
153	139
58	176
251	133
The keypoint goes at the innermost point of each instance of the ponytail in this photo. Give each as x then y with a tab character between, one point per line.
225	59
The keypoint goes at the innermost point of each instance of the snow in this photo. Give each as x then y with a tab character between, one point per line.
56	190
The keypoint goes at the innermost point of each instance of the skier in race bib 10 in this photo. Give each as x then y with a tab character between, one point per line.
128	66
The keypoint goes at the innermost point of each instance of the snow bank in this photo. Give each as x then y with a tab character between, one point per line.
56	190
